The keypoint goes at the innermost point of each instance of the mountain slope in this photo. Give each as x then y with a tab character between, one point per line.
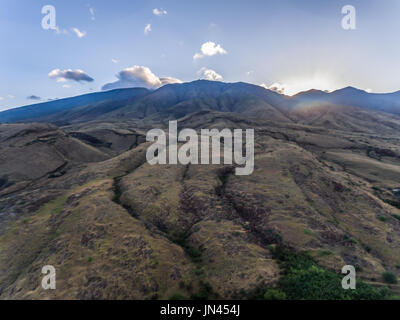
44	110
33	151
349	96
178	100
122	229
349	118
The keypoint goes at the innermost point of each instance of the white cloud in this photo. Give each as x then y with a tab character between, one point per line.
277	87
1	98
169	80
139	76
159	12
114	60
147	29
66	86
209	49
64	75
79	34
209	74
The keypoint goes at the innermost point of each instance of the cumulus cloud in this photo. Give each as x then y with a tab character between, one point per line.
33	97
79	34
64	75
209	49
277	87
209	74
147	29
139	76
159	12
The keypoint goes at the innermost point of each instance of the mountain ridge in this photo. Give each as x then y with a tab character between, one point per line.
141	102
33	111
344	109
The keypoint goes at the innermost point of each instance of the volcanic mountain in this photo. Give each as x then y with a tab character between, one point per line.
76	192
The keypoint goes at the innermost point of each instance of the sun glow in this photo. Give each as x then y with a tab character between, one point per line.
291	86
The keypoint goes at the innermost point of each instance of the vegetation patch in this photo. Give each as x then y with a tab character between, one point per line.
389	277
394	203
303	279
396	216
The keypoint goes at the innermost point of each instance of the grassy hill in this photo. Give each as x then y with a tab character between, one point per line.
83	198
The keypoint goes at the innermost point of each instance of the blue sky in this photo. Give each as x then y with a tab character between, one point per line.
296	44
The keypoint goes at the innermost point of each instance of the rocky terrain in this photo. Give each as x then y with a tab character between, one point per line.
76	192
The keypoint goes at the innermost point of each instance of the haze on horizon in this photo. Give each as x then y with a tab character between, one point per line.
289	46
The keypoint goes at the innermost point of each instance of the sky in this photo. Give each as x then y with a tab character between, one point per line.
286	45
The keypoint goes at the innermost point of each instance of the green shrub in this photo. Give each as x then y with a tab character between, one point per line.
394	203
193	253
323	253
308	232
274	294
304	279
199	272
205	292
396	216
389	277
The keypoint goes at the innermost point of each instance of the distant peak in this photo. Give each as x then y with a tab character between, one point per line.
349	89
310	92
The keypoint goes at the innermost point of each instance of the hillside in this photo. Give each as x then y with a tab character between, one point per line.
81	197
387	102
42	111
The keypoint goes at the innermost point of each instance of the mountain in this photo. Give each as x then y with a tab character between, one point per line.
42	110
177	100
173	101
309	95
387	102
82	197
